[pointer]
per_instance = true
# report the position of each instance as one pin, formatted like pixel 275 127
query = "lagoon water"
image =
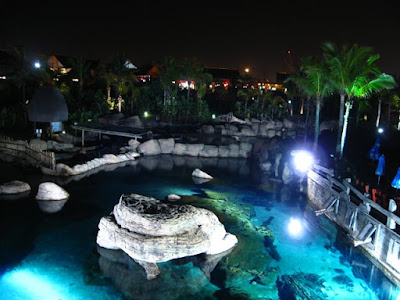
pixel 54 256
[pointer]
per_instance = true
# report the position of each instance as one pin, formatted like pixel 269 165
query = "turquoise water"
pixel 54 256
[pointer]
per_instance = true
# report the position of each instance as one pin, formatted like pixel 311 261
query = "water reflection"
pixel 186 278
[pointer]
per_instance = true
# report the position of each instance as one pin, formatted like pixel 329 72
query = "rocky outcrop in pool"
pixel 151 231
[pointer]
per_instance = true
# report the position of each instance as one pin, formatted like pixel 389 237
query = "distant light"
pixel 213 116
pixel 75 80
pixel 295 227
pixel 380 130
pixel 37 64
pixel 3 77
pixel 247 70
pixel 145 114
pixel 290 101
pixel 303 160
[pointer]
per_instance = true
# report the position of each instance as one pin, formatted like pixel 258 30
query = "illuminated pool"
pixel 282 245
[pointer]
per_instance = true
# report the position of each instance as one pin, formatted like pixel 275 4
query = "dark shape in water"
pixel 232 294
pixel 271 248
pixel 257 279
pixel 300 286
pixel 268 222
pixel 199 193
pixel 343 279
pixel 339 271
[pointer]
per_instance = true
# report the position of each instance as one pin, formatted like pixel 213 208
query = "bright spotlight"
pixel 303 160
pixel 37 64
pixel 380 130
pixel 295 227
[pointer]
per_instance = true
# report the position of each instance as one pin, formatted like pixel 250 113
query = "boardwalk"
pixel 107 129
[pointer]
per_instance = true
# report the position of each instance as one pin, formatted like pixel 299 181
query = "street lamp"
pixel 37 64
pixel 247 70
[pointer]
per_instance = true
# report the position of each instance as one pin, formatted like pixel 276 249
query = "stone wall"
pixel 169 146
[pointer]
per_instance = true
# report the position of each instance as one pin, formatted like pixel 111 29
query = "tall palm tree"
pixel 169 72
pixel 118 75
pixel 250 93
pixel 192 71
pixel 314 81
pixel 369 81
pixel 80 69
pixel 350 68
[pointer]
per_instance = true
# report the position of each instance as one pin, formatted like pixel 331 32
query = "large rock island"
pixel 151 231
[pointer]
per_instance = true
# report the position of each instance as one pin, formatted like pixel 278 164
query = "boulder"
pixel 173 197
pixel 208 129
pixel 38 144
pixel 245 131
pixel 133 122
pixel 167 145
pixel 209 151
pixel 288 124
pixel 271 133
pixel 200 174
pixel 223 151
pixel 233 150
pixel 151 231
pixel 14 187
pixel 245 149
pixel 150 147
pixel 179 149
pixel 111 118
pixel 287 173
pixel 231 128
pixel 133 144
pixel 51 191
pixel 194 149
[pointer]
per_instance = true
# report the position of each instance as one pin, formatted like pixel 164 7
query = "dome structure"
pixel 48 105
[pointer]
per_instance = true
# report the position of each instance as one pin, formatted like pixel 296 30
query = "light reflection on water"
pixel 55 255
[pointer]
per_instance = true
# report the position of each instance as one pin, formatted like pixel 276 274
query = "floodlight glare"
pixel 303 160
pixel 295 227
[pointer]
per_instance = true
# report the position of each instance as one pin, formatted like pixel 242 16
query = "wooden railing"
pixel 367 223
pixel 29 153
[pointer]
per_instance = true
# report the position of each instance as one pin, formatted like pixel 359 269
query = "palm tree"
pixel 169 72
pixel 118 74
pixel 250 94
pixel 80 69
pixel 388 97
pixel 350 68
pixel 368 82
pixel 192 71
pixel 314 81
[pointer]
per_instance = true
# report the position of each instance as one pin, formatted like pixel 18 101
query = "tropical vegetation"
pixel 178 91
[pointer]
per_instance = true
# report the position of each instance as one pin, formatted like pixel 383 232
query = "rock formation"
pixel 51 191
pixel 200 174
pixel 14 187
pixel 151 231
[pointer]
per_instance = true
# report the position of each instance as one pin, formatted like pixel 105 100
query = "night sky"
pixel 228 34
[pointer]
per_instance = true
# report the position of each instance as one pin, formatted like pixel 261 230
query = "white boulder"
pixel 51 191
pixel 200 174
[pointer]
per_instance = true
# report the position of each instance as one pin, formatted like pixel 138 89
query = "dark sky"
pixel 254 34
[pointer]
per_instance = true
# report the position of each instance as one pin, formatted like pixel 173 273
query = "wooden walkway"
pixel 109 130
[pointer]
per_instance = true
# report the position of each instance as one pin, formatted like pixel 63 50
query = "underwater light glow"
pixel 32 285
pixel 295 227
pixel 303 160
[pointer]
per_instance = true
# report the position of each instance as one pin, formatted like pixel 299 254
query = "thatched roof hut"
pixel 48 105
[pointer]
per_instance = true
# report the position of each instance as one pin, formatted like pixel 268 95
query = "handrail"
pixel 347 187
